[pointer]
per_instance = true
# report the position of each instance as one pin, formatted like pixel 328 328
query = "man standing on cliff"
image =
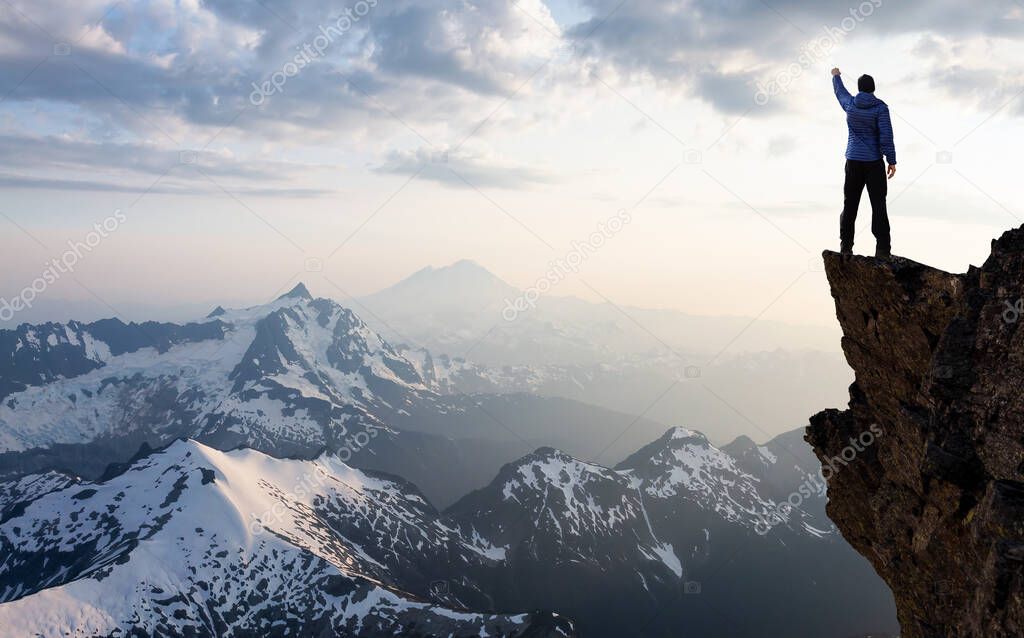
pixel 869 141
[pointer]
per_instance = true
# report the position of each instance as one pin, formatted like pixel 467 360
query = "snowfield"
pixel 191 539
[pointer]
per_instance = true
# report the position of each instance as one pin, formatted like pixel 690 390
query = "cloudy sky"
pixel 250 144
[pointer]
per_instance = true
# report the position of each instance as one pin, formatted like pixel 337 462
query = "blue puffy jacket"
pixel 870 127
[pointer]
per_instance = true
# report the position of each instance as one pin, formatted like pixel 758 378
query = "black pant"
pixel 858 175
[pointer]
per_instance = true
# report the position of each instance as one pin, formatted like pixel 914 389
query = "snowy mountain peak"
pixel 443 292
pixel 684 464
pixel 551 495
pixel 547 452
pixel 468 266
pixel 188 537
pixel 289 377
pixel 467 275
pixel 679 433
pixel 548 467
pixel 465 267
pixel 675 438
pixel 298 292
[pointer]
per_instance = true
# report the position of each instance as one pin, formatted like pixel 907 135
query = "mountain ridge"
pixel 324 538
pixel 290 377
pixel 374 537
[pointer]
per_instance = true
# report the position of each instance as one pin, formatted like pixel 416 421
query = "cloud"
pixel 989 89
pixel 731 93
pixel 461 169
pixel 676 42
pixel 195 63
pixel 482 47
pixel 172 75
pixel 178 74
pixel 781 145
pixel 178 64
pixel 43 183
pixel 31 161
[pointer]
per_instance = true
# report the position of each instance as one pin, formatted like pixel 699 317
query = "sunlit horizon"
pixel 504 145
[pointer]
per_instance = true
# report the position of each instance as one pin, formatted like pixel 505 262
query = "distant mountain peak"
pixel 467 264
pixel 675 439
pixel 680 436
pixel 547 451
pixel 462 286
pixel 744 441
pixel 740 446
pixel 463 269
pixel 679 433
pixel 298 292
pixel 216 312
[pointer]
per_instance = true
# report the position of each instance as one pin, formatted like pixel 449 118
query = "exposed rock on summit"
pixel 936 500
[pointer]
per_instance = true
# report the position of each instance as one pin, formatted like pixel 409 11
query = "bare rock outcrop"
pixel 926 466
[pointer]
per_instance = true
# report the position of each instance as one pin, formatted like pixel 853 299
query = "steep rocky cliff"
pixel 926 467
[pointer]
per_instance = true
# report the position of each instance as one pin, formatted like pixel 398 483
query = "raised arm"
pixel 885 138
pixel 844 97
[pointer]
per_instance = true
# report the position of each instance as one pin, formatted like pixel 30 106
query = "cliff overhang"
pixel 926 466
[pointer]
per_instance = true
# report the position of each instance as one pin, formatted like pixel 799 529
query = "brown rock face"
pixel 926 467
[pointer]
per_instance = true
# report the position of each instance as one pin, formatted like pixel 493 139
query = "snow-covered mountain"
pixel 666 541
pixel 486 335
pixel 37 355
pixel 193 541
pixel 287 374
pixel 190 540
pixel 459 291
pixel 278 470
pixel 290 378
pixel 783 466
pixel 463 306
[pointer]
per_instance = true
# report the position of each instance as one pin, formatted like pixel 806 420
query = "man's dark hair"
pixel 866 84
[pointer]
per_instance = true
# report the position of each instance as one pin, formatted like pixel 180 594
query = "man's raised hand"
pixel 835 71
pixel 892 171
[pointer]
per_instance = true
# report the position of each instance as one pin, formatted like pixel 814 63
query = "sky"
pixel 226 150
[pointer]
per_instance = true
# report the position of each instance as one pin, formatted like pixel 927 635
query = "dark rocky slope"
pixel 927 464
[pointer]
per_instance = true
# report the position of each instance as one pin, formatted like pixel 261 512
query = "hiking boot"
pixel 882 253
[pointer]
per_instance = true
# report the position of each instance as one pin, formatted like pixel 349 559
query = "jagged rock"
pixel 925 468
